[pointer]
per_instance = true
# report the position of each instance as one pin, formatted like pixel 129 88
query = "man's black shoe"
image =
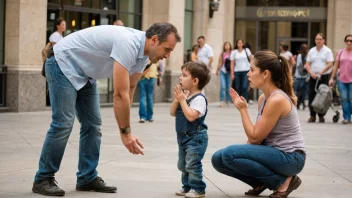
pixel 97 185
pixel 48 187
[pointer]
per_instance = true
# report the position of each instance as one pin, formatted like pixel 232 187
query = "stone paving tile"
pixel 327 173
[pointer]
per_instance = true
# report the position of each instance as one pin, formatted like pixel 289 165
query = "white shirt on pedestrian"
pixel 299 64
pixel 241 59
pixel 55 37
pixel 90 53
pixel 205 53
pixel 319 59
pixel 287 55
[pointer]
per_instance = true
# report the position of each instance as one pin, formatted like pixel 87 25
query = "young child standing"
pixel 190 111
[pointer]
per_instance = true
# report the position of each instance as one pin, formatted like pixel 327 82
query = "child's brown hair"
pixel 198 70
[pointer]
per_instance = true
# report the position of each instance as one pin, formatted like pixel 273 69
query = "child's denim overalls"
pixel 192 141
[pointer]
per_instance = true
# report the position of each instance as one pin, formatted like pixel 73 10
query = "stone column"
pixel 229 23
pixel 25 31
pixel 339 23
pixel 200 19
pixel 174 63
pixel 172 12
pixel 216 30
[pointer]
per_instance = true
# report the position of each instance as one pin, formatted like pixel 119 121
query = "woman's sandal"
pixel 294 184
pixel 254 192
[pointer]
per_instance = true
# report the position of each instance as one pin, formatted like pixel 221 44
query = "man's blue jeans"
pixel 66 103
pixel 241 83
pixel 345 90
pixel 301 89
pixel 146 100
pixel 225 83
pixel 258 165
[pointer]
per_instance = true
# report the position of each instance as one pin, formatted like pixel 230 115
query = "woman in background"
pixel 344 63
pixel 225 79
pixel 194 56
pixel 301 75
pixel 240 64
pixel 60 28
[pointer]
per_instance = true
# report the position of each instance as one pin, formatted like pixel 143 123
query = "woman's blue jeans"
pixel 66 102
pixel 225 84
pixel 241 83
pixel 345 90
pixel 258 165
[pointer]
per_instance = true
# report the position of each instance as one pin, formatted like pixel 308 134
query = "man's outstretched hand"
pixel 132 144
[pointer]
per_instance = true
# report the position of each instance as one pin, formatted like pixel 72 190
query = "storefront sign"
pixel 281 13
pixel 269 12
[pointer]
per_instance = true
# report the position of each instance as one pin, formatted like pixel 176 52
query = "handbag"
pixel 249 60
pixel 301 70
pixel 47 52
pixel 227 64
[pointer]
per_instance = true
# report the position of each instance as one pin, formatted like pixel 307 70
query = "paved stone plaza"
pixel 327 174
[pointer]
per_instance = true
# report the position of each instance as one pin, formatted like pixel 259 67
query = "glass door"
pixel 293 44
pixel 292 34
pixel 267 36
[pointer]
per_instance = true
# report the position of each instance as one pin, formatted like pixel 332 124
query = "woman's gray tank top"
pixel 286 134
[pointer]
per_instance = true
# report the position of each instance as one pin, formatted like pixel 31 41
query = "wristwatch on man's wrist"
pixel 125 130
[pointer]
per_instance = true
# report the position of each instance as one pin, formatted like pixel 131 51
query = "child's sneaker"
pixel 182 192
pixel 193 193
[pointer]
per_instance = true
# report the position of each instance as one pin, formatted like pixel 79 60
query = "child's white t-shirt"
pixel 198 103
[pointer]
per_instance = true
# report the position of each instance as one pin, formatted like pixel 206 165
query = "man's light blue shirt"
pixel 89 54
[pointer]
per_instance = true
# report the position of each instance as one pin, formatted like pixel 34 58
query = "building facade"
pixel 26 25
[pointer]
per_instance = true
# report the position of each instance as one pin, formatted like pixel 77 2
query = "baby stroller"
pixel 323 101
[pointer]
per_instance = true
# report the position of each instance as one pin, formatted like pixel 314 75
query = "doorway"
pixel 292 43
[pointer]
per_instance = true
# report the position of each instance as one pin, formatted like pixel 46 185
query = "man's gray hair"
pixel 162 30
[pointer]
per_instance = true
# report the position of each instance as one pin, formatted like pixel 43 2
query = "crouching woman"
pixel 275 151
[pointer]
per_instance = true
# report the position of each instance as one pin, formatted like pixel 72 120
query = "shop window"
pixel 130 12
pixel 246 30
pixel 81 14
pixel 131 20
pixel 130 6
pixel 267 36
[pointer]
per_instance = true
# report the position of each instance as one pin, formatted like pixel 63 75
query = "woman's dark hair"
pixel 303 49
pixel 58 23
pixel 348 35
pixel 223 47
pixel 320 34
pixel 247 45
pixel 237 43
pixel 280 72
pixel 285 47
